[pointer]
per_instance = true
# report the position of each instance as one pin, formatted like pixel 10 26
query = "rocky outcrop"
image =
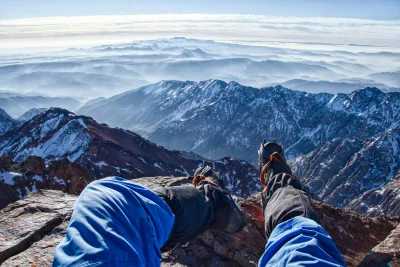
pixel 48 212
pixel 18 180
pixel 383 201
pixel 31 228
pixel 387 253
pixel 33 164
pixel 353 234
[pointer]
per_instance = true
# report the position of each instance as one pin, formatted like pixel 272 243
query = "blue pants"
pixel 119 223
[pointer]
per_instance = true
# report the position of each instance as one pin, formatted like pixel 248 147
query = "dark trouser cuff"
pixel 286 203
pixel 193 213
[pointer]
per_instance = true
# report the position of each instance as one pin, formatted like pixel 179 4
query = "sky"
pixel 365 9
pixel 28 24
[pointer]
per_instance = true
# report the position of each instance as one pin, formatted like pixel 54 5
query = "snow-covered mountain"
pixel 59 134
pixel 216 119
pixel 356 174
pixel 31 113
pixel 347 144
pixel 6 122
pixel 383 201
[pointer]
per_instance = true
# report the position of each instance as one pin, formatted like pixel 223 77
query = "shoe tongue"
pixel 266 150
pixel 271 147
pixel 207 171
pixel 278 166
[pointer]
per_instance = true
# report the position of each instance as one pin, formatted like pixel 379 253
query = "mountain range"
pixel 359 175
pixel 66 119
pixel 216 119
pixel 320 132
pixel 16 104
pixel 212 119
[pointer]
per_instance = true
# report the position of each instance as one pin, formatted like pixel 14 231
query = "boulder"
pixel 34 164
pixel 17 180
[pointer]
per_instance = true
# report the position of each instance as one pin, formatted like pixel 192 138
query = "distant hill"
pixel 16 104
pixel 343 86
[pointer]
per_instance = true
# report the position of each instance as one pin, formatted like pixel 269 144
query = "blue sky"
pixel 365 9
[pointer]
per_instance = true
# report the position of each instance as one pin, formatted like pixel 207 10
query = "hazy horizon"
pixel 88 49
pixel 321 33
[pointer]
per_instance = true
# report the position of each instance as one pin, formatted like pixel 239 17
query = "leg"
pixel 208 206
pixel 292 227
pixel 116 223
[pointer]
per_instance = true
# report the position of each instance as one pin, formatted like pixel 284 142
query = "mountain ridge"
pixel 131 110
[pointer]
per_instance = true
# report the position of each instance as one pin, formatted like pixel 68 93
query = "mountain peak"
pixel 369 92
pixel 4 114
pixel 31 113
pixel 6 122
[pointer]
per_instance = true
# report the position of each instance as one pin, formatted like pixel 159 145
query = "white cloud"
pixel 94 30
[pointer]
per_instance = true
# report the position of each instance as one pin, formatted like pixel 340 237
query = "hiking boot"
pixel 207 173
pixel 206 206
pixel 276 165
pixel 231 219
pixel 266 150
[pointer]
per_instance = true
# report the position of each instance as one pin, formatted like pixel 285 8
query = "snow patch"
pixel 8 177
pixel 50 125
pixel 158 166
pixel 59 181
pixel 37 178
pixel 142 160
pixel 100 164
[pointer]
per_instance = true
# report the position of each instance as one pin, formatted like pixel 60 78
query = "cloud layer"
pixel 94 30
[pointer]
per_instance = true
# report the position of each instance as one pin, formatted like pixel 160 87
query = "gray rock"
pixel 31 228
pixel 387 253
